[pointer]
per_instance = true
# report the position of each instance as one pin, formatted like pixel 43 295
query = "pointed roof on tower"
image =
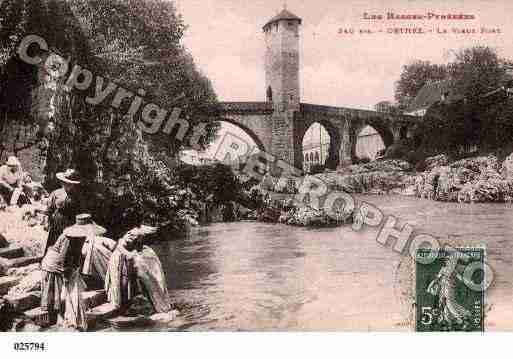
pixel 283 15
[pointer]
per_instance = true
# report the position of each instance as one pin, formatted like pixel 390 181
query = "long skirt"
pixel 63 296
pixel 74 315
pixel 120 280
pixel 52 285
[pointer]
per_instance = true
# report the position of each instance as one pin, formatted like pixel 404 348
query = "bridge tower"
pixel 282 80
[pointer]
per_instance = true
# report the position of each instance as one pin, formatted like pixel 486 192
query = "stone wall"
pixel 282 145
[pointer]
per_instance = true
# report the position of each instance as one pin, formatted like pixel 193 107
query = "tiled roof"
pixel 283 15
pixel 431 93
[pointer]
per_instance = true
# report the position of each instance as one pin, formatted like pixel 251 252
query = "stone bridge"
pixel 280 131
pixel 279 124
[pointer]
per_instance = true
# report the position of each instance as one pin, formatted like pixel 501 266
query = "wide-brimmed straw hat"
pixel 70 176
pixel 12 161
pixel 84 227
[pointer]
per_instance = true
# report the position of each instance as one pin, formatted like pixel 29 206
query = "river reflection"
pixel 257 276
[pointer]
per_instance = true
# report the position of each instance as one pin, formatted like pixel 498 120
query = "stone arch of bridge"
pixel 382 127
pixel 335 134
pixel 246 130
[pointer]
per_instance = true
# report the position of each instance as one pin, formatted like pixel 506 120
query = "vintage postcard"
pixel 220 166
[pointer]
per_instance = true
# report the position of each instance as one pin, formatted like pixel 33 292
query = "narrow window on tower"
pixel 269 94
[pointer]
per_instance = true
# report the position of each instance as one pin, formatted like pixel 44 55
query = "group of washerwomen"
pixel 77 254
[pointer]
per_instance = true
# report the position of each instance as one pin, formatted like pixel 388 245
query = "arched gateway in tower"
pixel 279 123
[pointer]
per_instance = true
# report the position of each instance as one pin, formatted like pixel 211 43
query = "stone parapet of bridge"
pixel 281 132
pixel 253 107
pixel 353 112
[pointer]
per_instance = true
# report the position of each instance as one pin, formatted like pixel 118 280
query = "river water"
pixel 258 276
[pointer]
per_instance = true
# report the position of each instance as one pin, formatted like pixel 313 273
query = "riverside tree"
pixel 137 44
pixel 477 118
pixel 413 77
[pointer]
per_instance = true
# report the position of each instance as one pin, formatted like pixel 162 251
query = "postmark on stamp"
pixel 444 299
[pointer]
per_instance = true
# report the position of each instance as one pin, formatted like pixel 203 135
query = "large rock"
pixel 122 322
pixel 478 164
pixel 24 325
pixel 436 161
pixel 24 261
pixel 7 282
pixel 309 217
pixel 23 271
pixel 11 252
pixel 24 301
pixel 28 283
pixel 8 265
pixel 94 298
pixel 378 177
pixel 101 312
pixel 378 166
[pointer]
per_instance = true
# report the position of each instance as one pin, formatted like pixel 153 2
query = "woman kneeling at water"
pixel 133 269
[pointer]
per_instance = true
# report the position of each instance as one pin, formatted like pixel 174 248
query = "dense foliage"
pixel 413 77
pixel 215 183
pixel 477 116
pixel 478 120
pixel 137 45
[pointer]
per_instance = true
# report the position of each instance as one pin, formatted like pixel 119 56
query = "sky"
pixel 226 40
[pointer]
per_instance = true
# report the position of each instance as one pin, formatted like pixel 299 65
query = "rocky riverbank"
pixel 20 275
pixel 377 177
pixel 474 179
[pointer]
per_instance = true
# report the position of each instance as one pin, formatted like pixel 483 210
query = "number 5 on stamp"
pixel 445 300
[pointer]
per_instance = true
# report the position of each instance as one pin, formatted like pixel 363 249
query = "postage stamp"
pixel 445 301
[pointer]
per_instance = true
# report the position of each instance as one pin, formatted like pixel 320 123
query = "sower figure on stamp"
pixel 134 269
pixel 444 286
pixel 62 282
pixel 64 204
